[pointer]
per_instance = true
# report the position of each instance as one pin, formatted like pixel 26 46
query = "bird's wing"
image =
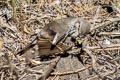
pixel 57 39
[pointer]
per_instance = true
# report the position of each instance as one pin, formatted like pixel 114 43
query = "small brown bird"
pixel 58 31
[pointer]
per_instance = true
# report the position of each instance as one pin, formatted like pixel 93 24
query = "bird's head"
pixel 80 28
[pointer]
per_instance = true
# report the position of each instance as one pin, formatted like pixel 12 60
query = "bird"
pixel 59 30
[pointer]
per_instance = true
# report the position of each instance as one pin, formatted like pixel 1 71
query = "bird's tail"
pixel 31 45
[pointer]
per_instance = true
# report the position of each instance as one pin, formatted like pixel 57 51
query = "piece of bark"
pixel 48 71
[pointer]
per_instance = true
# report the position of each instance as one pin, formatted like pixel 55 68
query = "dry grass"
pixel 20 19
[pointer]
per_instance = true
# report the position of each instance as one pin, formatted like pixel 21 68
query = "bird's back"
pixel 61 25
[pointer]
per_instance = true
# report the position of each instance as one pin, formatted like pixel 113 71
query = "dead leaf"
pixel 1 44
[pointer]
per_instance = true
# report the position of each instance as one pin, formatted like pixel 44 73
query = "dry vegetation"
pixel 20 20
